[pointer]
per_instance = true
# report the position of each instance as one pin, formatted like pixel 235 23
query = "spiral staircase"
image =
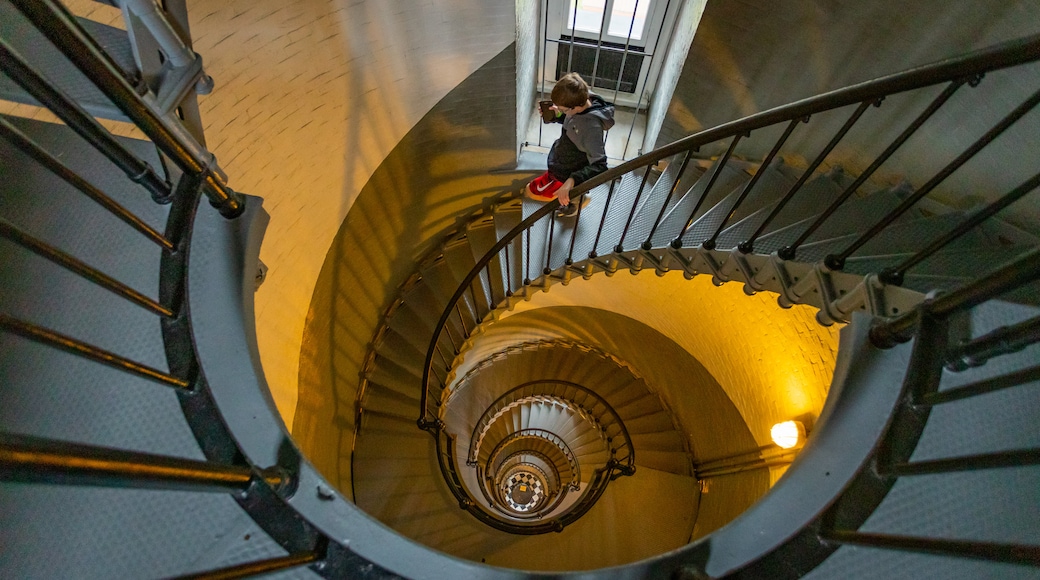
pixel 138 438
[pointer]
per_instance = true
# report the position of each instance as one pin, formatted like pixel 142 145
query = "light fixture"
pixel 788 434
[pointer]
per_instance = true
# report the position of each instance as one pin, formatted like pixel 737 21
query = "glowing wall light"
pixel 788 434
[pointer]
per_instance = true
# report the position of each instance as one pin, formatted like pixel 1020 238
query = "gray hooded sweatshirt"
pixel 579 152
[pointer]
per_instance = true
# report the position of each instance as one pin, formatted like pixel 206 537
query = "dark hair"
pixel 570 91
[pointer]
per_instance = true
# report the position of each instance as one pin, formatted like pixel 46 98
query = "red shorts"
pixel 544 186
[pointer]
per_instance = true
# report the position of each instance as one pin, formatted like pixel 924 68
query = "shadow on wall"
pixel 436 175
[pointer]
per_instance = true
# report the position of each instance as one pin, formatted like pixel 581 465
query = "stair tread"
pixel 848 218
pixel 730 178
pixel 819 193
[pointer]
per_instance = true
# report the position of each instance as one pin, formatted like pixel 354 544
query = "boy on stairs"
pixel 579 154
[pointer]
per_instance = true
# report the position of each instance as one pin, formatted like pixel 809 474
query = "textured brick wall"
pixel 750 57
pixel 310 98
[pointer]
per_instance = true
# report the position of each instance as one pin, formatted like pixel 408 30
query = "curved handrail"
pixel 1011 53
pixel 602 420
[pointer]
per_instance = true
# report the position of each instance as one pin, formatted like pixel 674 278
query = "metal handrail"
pixel 60 27
pixel 971 66
pixel 892 458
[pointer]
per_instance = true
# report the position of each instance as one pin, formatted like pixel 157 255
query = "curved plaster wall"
pixel 773 364
pixel 311 96
pixel 438 173
pixel 711 423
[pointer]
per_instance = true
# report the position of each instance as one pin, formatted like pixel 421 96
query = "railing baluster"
pixel 1022 271
pixel 451 339
pixel 527 264
pixel 462 321
pixel 603 219
pixel 668 198
pixel 79 268
pixel 547 269
pixel 79 121
pixel 26 145
pixel 30 459
pixel 509 273
pixel 1004 340
pixel 895 275
pixel 635 206
pixel 574 231
pixel 1015 458
pixel 709 244
pixel 837 261
pixel 444 359
pixel 1011 553
pixel 788 252
pixel 748 245
pixel 677 242
pixel 52 19
pixel 1029 375
pixel 82 349
pixel 250 569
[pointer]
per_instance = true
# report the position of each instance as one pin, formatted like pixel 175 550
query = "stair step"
pixel 591 217
pixel 48 61
pixel 442 283
pixel 646 404
pixel 667 461
pixel 906 236
pixel 422 309
pixel 849 218
pixel 650 423
pixel 459 257
pixel 659 441
pixel 506 217
pixel 482 236
pixel 390 374
pixel 398 348
pixel 819 193
pixel 385 400
pixel 730 177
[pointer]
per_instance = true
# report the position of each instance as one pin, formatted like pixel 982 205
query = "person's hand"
pixel 564 193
